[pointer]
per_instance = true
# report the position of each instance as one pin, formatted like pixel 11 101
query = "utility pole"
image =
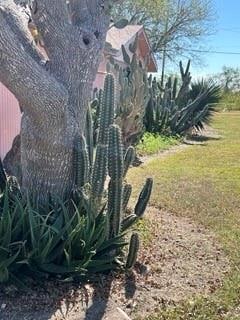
pixel 165 47
pixel 164 57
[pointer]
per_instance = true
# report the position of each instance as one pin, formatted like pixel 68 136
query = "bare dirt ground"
pixel 181 260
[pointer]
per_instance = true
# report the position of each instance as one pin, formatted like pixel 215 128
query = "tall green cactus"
pixel 133 250
pixel 93 221
pixel 127 191
pixel 80 161
pixel 107 107
pixel 89 133
pixel 128 159
pixel 144 198
pixel 115 171
pixel 99 173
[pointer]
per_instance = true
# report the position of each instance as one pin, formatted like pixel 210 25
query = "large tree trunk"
pixel 54 99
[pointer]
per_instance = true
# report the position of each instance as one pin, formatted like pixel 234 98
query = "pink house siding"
pixel 10 118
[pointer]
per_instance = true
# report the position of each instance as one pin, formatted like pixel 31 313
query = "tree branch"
pixel 22 74
pixel 91 16
pixel 51 18
pixel 18 21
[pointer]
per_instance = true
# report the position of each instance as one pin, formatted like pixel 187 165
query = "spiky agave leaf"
pixel 3 178
pixel 208 102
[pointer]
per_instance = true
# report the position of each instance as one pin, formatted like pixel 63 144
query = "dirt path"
pixel 182 260
pixel 164 154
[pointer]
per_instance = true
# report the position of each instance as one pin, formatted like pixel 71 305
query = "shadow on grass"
pixel 200 140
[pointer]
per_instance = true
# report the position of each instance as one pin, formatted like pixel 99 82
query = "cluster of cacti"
pixel 83 234
pixel 173 109
pixel 110 160
pixel 132 95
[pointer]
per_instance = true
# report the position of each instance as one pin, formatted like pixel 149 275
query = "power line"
pixel 215 52
pixel 207 51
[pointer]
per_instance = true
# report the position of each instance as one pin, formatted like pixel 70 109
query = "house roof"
pixel 118 37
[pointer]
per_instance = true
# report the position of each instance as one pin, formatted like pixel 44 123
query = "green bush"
pixel 153 143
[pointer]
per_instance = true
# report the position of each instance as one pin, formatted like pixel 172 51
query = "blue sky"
pixel 227 38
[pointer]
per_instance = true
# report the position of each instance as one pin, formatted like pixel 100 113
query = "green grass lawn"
pixel 203 182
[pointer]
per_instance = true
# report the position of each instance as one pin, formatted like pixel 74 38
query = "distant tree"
pixel 230 79
pixel 175 27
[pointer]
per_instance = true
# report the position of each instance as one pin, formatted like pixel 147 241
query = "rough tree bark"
pixel 54 99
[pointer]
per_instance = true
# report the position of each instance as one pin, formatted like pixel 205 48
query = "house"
pixel 118 37
pixel 10 115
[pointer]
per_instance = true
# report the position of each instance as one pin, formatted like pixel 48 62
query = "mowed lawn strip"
pixel 203 183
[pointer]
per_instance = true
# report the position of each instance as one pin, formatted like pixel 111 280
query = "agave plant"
pixel 207 105
pixel 11 227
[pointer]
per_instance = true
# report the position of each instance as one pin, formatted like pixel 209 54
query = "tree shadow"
pixel 40 300
pixel 130 285
pixel 43 300
pixel 102 294
pixel 100 298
